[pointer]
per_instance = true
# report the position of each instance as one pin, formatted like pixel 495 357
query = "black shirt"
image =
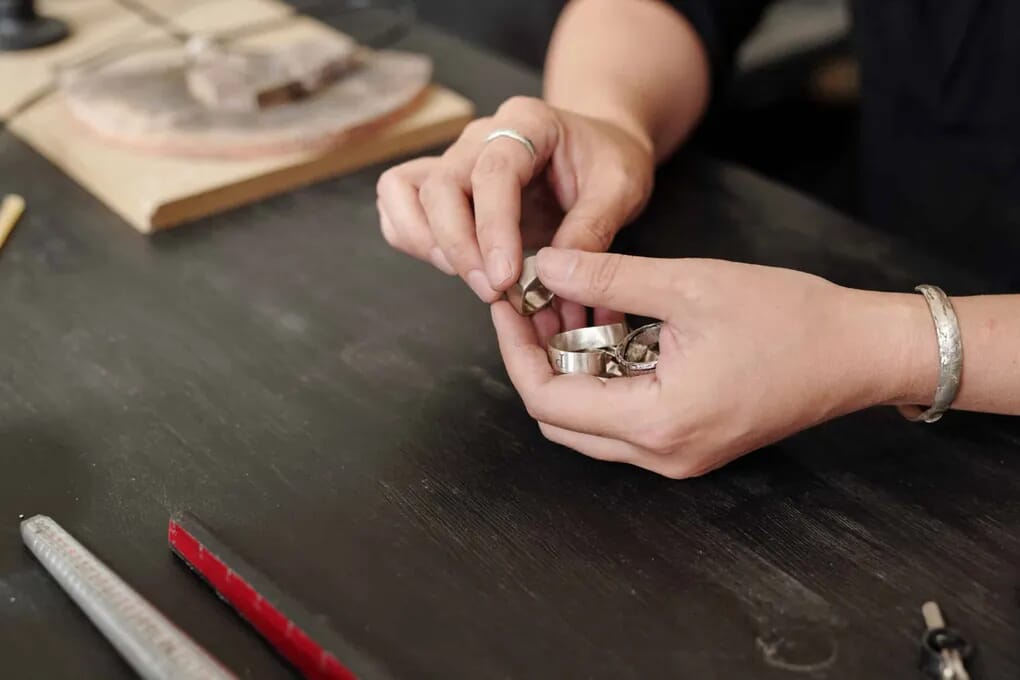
pixel 940 116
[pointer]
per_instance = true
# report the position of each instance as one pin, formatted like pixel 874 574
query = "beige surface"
pixel 96 24
pixel 153 192
pixel 217 16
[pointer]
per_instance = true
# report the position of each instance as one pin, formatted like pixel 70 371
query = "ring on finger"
pixel 513 134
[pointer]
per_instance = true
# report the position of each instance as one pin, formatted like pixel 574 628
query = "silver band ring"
pixel 638 353
pixel 606 351
pixel 510 133
pixel 586 350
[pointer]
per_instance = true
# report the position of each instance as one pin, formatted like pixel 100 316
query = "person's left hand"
pixel 748 355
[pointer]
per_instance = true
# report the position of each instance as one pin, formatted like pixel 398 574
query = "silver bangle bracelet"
pixel 947 330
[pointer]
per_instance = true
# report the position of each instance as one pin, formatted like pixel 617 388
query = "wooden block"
pixel 11 209
pixel 153 192
pixel 210 17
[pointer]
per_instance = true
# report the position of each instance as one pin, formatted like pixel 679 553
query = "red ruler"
pixel 302 638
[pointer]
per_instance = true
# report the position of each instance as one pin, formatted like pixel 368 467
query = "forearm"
pixel 990 330
pixel 636 63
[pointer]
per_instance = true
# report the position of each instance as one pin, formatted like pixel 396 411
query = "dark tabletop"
pixel 339 414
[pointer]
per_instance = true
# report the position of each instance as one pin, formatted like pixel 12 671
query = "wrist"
pixel 893 347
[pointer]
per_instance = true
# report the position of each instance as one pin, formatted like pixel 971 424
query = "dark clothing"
pixel 940 116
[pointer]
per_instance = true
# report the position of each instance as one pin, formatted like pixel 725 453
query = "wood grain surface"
pixel 340 416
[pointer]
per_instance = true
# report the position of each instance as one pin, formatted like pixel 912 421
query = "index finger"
pixel 582 403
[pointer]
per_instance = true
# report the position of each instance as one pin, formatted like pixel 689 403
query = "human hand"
pixel 748 355
pixel 464 212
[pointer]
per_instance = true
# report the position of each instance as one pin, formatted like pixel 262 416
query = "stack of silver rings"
pixel 608 351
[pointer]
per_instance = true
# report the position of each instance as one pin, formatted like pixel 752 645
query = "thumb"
pixel 638 285
pixel 592 222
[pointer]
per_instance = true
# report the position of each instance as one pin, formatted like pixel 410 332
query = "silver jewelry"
pixel 528 295
pixel 585 350
pixel 638 354
pixel 516 136
pixel 947 330
pixel 608 351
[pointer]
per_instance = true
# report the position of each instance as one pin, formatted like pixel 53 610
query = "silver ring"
pixel 510 133
pixel 638 353
pixel 587 350
pixel 608 351
pixel 529 295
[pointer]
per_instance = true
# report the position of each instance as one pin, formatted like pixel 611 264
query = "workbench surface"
pixel 339 414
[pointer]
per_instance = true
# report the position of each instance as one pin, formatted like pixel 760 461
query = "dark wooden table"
pixel 340 415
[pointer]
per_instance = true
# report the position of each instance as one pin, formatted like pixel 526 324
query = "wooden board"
pixel 153 192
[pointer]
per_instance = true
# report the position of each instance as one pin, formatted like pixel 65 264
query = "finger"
pixel 419 244
pixel 505 165
pixel 547 324
pixel 397 192
pixel 604 316
pixel 603 206
pixel 444 197
pixel 601 448
pixel 386 226
pixel 637 285
pixel 582 403
pixel 573 314
pixel 496 184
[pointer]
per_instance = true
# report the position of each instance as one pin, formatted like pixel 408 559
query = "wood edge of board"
pixel 343 159
pixel 166 212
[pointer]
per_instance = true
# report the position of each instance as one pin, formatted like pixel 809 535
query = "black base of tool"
pixel 21 28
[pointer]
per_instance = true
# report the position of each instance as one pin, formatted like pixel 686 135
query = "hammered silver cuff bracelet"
pixel 947 330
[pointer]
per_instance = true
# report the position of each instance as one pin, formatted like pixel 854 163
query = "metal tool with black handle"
pixel 22 28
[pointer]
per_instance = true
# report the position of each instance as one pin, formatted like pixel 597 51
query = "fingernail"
pixel 555 264
pixel 440 262
pixel 479 283
pixel 500 270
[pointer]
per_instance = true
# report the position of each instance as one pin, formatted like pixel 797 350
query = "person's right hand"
pixel 464 213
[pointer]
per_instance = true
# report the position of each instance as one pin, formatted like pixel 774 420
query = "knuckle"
pixel 600 231
pixel 655 441
pixel 476 127
pixel 520 104
pixel 663 436
pixel 535 406
pixel 536 413
pixel 490 164
pixel 547 431
pixel 633 187
pixel 604 272
pixel 385 181
pixel 432 188
pixel 679 468
pixel 457 252
pixel 597 230
pixel 487 224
